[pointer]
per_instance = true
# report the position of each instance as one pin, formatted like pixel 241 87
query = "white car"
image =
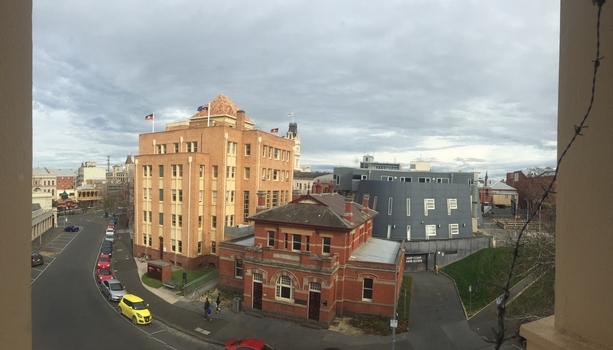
pixel 113 289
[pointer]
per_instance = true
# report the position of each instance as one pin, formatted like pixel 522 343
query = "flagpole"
pixel 153 124
pixel 208 117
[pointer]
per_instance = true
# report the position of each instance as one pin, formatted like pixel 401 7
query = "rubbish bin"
pixel 236 304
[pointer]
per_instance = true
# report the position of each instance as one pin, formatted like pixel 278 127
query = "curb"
pixel 191 333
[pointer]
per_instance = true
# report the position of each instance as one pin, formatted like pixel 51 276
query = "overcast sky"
pixel 466 85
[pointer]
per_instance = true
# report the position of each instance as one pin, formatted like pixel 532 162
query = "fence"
pixel 190 287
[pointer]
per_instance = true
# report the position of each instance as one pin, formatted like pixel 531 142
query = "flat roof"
pixel 247 241
pixel 377 250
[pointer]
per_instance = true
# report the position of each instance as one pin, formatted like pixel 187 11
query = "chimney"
pixel 317 187
pixel 365 200
pixel 296 194
pixel 348 215
pixel 331 187
pixel 261 202
pixel 240 120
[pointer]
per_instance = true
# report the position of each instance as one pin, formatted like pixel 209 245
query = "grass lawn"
pixel 177 276
pixel 490 264
pixel 379 324
pixel 536 301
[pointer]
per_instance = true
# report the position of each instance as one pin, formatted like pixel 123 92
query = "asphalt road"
pixel 68 310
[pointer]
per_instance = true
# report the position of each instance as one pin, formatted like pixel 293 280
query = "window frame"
pixel 284 286
pixel 368 289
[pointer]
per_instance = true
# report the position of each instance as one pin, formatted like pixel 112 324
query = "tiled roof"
pixel 325 209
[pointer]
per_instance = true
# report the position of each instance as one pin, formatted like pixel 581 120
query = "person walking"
pixel 218 302
pixel 207 309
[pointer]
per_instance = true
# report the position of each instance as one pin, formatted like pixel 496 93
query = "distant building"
pixel 304 181
pixel 89 173
pixel 496 194
pixel 44 217
pixel 415 204
pixel 530 184
pixel 313 259
pixel 44 181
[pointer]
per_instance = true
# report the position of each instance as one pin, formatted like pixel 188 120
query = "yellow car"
pixel 135 309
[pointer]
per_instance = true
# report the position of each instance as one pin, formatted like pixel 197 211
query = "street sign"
pixel 394 323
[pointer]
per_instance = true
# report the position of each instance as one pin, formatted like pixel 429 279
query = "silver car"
pixel 113 289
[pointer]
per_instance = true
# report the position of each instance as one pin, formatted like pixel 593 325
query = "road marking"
pixel 203 331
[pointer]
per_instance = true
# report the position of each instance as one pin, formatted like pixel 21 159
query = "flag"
pixel 203 108
pixel 149 116
pixel 291 114
pixel 275 130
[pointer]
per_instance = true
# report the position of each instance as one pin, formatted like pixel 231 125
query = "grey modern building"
pixel 415 205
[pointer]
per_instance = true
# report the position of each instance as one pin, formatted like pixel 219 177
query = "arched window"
pixel 285 290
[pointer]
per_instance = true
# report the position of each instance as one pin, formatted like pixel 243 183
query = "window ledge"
pixel 544 335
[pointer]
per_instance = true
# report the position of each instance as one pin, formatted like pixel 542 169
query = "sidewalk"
pixel 180 313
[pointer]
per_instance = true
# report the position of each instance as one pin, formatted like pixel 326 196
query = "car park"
pixel 134 308
pixel 71 228
pixel 37 259
pixel 247 344
pixel 103 263
pixel 103 275
pixel 113 289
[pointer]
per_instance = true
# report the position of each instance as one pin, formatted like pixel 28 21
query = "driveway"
pixel 437 319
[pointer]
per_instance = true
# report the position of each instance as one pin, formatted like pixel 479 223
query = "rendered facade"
pixel 313 259
pixel 199 176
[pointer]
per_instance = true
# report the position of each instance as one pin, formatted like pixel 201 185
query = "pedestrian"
pixel 207 309
pixel 218 301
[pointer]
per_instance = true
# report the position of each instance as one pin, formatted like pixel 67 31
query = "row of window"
pixel 430 230
pixel 190 146
pixel 177 220
pixel 284 288
pixel 44 183
pixel 439 180
pixel 175 245
pixel 297 242
pixel 272 153
pixel 429 204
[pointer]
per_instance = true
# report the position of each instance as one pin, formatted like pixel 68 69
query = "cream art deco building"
pixel 197 181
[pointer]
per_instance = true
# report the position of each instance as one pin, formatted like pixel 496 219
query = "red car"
pixel 246 344
pixel 111 225
pixel 103 263
pixel 104 255
pixel 103 275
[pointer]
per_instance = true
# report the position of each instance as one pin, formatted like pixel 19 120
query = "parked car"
pixel 135 309
pixel 113 289
pixel 103 263
pixel 107 250
pixel 37 259
pixel 103 275
pixel 104 255
pixel 111 224
pixel 248 343
pixel 71 228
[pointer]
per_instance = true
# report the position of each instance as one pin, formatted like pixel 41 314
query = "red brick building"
pixel 313 259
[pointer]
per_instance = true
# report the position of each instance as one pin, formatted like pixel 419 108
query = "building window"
pixel 424 180
pixel 428 205
pixel 173 218
pixel 173 244
pixel 213 247
pixel 176 147
pixel 200 221
pixel 161 171
pixel 199 247
pixel 150 240
pixel 406 179
pixel 408 232
pixel 192 147
pixel 367 289
pixel 150 216
pixel 161 149
pixel 306 243
pixel 238 268
pixel 270 152
pixel 430 231
pixel 229 220
pixel 180 246
pixel 245 205
pixel 174 170
pixel 145 239
pixel 275 175
pixel 285 240
pixel 408 206
pixel 296 242
pixel 387 178
pixel 214 197
pixel 213 221
pixel 201 171
pixel 247 149
pixel 454 229
pixel 326 245
pixel 389 205
pixel 452 203
pixel 161 193
pixel 275 198
pixel 264 148
pixel 277 153
pixel 257 277
pixel 180 195
pixel 180 220
pixel 442 180
pixel 247 173
pixel 145 193
pixel 271 238
pixel 161 218
pixel 200 195
pixel 215 171
pixel 284 288
pixel 174 195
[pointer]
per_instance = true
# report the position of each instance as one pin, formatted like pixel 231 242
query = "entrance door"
pixel 314 300
pixel 257 295
pixel 161 248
